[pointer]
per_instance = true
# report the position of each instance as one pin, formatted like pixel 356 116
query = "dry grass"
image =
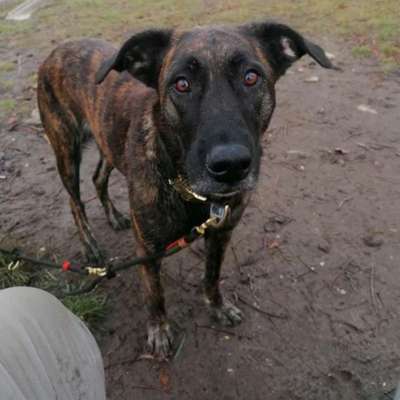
pixel 374 25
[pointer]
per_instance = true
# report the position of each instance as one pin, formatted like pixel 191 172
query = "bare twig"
pixel 340 205
pixel 212 328
pixel 364 146
pixel 372 288
pixel 261 311
pixel 309 267
pixel 126 361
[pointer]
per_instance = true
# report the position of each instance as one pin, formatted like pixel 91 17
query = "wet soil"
pixel 314 264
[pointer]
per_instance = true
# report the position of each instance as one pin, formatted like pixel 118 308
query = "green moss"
pixel 7 105
pixel 6 85
pixel 7 66
pixel 361 51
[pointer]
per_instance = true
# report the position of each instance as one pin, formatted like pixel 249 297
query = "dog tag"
pixel 218 214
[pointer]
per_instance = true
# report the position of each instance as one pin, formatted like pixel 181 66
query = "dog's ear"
pixel 141 56
pixel 283 45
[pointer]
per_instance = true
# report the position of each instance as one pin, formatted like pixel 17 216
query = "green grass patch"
pixel 6 85
pixel 7 106
pixel 90 307
pixel 361 51
pixel 7 66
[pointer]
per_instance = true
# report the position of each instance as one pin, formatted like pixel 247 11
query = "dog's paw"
pixel 160 340
pixel 118 221
pixel 226 314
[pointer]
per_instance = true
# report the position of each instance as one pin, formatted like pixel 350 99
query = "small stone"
pixel 324 247
pixel 312 79
pixel 373 240
pixel 340 151
pixel 230 370
pixel 367 109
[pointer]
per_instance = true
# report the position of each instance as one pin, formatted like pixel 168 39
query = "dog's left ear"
pixel 141 56
pixel 283 45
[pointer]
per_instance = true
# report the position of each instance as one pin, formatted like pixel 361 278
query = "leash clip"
pixel 218 215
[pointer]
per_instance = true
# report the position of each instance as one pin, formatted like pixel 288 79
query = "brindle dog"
pixel 169 103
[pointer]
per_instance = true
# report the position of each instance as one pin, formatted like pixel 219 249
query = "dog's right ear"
pixel 141 56
pixel 283 45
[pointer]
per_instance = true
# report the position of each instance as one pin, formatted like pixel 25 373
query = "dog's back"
pixel 72 105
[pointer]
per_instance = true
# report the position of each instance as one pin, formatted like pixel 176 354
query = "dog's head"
pixel 216 94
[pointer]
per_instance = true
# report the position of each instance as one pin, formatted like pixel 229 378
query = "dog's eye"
pixel 251 78
pixel 182 85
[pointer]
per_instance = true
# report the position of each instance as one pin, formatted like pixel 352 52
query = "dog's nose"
pixel 229 163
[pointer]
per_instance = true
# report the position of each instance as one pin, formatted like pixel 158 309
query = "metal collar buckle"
pixel 183 188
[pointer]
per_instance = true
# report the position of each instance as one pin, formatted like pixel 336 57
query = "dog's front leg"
pixel 160 335
pixel 222 310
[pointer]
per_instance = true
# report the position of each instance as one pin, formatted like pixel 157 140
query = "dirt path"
pixel 314 264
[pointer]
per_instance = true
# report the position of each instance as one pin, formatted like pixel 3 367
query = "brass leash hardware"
pixel 218 216
pixel 183 188
pixel 97 271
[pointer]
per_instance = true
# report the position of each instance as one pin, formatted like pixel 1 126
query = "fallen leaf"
pixel 165 380
pixel 367 109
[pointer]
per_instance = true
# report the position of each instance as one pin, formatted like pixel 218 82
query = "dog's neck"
pixel 167 142
pixel 160 143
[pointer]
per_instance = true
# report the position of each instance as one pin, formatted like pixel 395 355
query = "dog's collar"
pixel 182 187
pixel 218 213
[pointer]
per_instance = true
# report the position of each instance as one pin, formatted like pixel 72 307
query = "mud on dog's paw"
pixel 226 314
pixel 161 337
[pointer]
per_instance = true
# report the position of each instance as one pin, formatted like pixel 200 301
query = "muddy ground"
pixel 314 265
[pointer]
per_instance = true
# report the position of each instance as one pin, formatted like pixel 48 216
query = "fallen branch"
pixel 261 311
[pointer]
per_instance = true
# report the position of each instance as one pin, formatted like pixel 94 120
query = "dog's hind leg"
pixel 100 180
pixel 66 143
pixel 68 164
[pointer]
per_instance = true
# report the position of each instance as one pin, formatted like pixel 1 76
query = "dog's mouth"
pixel 213 189
pixel 196 192
pixel 224 195
pixel 219 193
